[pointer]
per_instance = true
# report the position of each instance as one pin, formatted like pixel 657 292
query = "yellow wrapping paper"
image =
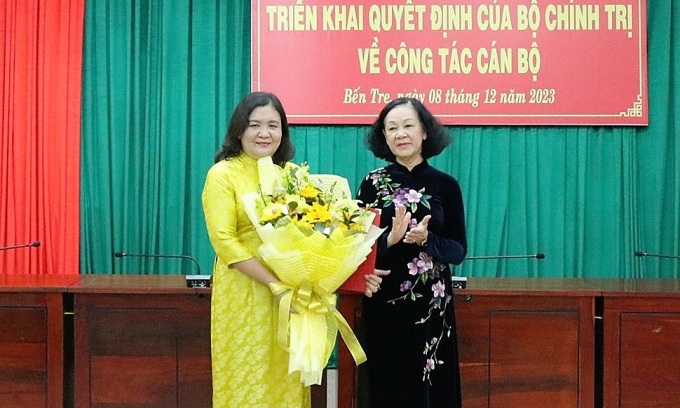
pixel 311 267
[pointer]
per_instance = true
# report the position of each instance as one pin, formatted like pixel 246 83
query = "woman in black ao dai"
pixel 410 324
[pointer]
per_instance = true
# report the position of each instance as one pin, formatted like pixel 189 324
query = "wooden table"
pixel 641 343
pixel 141 340
pixel 527 343
pixel 32 340
pixel 106 341
pixel 555 343
pixel 133 340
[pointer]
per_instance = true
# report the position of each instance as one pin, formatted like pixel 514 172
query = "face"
pixel 404 134
pixel 262 137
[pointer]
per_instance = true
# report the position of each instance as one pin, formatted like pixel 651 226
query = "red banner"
pixel 495 62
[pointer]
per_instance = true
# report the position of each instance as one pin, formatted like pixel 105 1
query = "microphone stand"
pixel 643 254
pixel 193 281
pixel 460 282
pixel 539 255
pixel 32 244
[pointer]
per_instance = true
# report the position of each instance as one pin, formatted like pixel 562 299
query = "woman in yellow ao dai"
pixel 249 367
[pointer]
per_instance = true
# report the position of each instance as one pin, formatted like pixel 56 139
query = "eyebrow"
pixel 394 122
pixel 258 121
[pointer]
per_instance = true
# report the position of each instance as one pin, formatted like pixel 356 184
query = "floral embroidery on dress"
pixel 428 272
pixel 425 271
pixel 389 192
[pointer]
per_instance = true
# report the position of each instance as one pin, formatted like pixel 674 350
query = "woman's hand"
pixel 418 234
pixel 400 223
pixel 373 281
pixel 279 291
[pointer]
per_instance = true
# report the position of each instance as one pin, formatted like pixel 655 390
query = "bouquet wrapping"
pixel 314 237
pixel 356 282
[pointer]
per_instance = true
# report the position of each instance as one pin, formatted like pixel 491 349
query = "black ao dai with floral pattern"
pixel 410 324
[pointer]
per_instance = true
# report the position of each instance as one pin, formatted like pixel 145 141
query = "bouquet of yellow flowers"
pixel 314 237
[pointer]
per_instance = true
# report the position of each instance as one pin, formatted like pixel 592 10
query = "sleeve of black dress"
pixel 367 192
pixel 450 245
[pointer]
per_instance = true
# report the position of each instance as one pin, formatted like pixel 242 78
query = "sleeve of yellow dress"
pixel 219 208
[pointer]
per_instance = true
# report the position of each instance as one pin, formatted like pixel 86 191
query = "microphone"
pixel 460 282
pixel 32 244
pixel 643 254
pixel 538 255
pixel 193 281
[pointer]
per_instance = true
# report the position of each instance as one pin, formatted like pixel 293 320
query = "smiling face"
pixel 262 137
pixel 404 135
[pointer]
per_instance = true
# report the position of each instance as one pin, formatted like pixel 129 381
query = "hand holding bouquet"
pixel 314 237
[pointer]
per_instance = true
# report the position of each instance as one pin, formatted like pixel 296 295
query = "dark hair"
pixel 231 147
pixel 437 136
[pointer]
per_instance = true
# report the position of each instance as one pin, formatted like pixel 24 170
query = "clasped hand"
pixel 400 228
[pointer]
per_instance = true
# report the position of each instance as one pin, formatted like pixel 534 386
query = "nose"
pixel 263 132
pixel 400 132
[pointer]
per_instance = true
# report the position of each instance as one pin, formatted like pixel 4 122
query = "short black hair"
pixel 437 139
pixel 231 147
